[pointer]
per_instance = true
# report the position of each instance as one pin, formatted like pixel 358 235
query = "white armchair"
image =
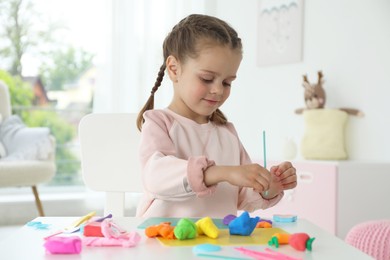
pixel 27 154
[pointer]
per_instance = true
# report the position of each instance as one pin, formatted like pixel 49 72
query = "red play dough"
pixel 93 229
pixel 298 241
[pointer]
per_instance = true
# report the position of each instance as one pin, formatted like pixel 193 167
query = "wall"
pixel 349 41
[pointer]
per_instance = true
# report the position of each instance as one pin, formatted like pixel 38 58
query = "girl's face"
pixel 202 84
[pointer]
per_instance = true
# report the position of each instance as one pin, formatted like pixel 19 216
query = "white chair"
pixel 109 157
pixel 30 151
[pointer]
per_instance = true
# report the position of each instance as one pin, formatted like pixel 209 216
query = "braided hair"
pixel 182 42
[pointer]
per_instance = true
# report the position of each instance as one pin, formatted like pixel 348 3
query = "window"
pixel 54 49
pixel 86 56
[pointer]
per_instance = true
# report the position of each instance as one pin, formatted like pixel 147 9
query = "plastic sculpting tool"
pixel 267 255
pixel 220 256
pixel 75 226
pixel 102 218
pixel 81 220
pixel 264 157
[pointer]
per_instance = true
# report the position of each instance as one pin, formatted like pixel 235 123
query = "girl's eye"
pixel 227 84
pixel 207 80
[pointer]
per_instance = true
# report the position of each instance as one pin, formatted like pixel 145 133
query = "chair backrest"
pixel 109 157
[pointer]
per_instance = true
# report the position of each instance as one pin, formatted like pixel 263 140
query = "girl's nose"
pixel 217 88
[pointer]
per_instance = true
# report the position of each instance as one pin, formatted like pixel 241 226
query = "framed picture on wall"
pixel 279 32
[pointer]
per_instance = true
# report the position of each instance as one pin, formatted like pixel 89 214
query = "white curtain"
pixel 134 34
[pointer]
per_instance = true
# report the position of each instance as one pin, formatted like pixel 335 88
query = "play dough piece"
pixel 301 241
pixel 93 229
pixel 205 248
pixel 279 239
pixel 63 245
pixel 164 230
pixel 228 218
pixel 207 227
pixel 266 220
pixel 243 225
pixel 185 229
pixel 263 224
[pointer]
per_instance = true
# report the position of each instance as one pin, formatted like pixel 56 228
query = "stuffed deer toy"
pixel 315 96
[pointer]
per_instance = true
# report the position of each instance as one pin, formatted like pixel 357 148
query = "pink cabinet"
pixel 337 195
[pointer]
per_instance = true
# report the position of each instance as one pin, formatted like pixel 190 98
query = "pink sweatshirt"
pixel 174 152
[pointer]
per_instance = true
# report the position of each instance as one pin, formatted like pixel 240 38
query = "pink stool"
pixel 372 237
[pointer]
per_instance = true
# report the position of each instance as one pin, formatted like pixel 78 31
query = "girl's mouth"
pixel 211 102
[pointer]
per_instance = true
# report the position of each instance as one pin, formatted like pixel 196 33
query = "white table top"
pixel 27 243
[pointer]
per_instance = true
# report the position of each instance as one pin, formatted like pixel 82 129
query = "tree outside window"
pixel 52 97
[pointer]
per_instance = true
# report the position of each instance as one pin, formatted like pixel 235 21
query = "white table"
pixel 27 243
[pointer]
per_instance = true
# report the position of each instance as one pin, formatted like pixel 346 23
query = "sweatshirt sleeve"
pixel 166 176
pixel 248 199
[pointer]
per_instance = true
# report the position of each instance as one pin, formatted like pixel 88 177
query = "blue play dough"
pixel 38 225
pixel 243 225
pixel 202 248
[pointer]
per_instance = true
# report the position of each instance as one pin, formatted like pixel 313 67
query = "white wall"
pixel 350 42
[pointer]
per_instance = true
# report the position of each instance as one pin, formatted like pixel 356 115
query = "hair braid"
pixel 150 103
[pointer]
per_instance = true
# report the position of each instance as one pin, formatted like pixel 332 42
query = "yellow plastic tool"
pixel 75 226
pixel 81 220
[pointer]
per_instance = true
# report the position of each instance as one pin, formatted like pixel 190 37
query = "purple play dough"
pixel 226 220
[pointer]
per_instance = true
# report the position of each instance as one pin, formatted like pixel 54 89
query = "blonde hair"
pixel 182 42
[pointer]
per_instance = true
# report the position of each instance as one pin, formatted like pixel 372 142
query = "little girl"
pixel 193 163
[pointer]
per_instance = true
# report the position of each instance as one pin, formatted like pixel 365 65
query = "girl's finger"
pixel 273 169
pixel 287 173
pixel 289 179
pixel 262 183
pixel 291 185
pixel 283 167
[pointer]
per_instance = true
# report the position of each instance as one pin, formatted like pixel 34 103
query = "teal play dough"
pixel 202 248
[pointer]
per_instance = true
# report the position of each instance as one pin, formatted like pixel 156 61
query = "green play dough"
pixel 185 229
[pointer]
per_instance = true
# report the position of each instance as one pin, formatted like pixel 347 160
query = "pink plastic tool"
pixel 268 255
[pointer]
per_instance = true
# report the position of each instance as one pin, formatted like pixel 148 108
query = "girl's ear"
pixel 173 68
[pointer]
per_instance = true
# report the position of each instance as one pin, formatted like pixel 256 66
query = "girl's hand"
pixel 250 175
pixel 283 177
pixel 286 174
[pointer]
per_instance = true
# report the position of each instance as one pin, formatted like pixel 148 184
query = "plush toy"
pixel 315 97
